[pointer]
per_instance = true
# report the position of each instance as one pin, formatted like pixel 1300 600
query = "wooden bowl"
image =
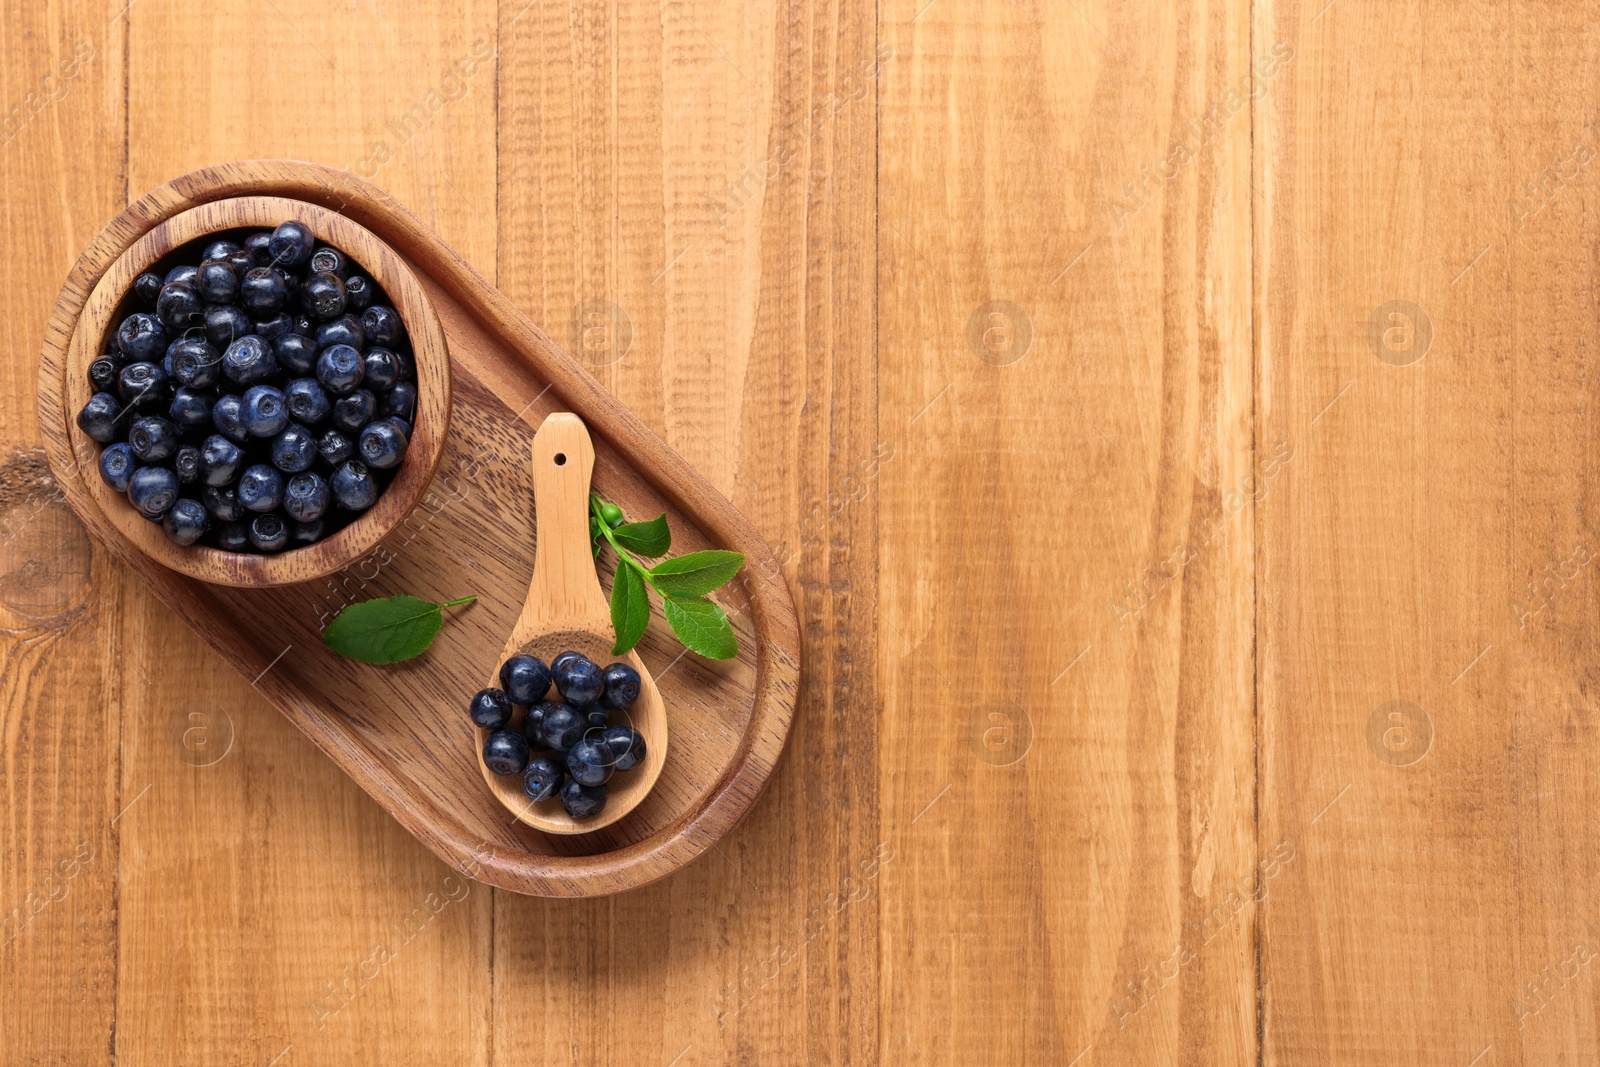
pixel 112 299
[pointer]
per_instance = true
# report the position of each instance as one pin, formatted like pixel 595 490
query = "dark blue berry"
pixel 382 326
pixel 307 403
pixel 143 385
pixel 117 466
pixel 626 746
pixel 407 373
pixel 220 461
pixel 194 361
pixel 344 330
pixel 225 324
pixel 351 413
pixel 334 448
pixel 185 523
pixel 103 374
pixel 357 293
pixel 100 416
pixel 152 439
pixel 222 503
pixel 216 281
pixel 294 449
pixel 578 680
pixel 322 296
pixel 621 686
pixel 249 360
pixel 186 464
pixel 329 259
pixel 276 326
pixel 263 292
pixel 227 415
pixel 490 709
pixel 382 369
pixel 221 248
pixel 264 412
pixel 304 326
pixel 233 537
pixel 382 443
pixel 525 679
pixel 141 337
pixel 353 487
pixel 260 488
pixel 589 761
pixel 296 352
pixel 185 273
pixel 533 721
pixel 258 245
pixel 190 409
pixel 339 369
pixel 561 728
pixel 401 401
pixel 505 752
pixel 153 490
pixel 291 244
pixel 582 801
pixel 147 287
pixel 179 306
pixel 269 532
pixel 543 778
pixel 306 497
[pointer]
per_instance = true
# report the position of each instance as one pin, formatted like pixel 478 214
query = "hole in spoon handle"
pixel 564 583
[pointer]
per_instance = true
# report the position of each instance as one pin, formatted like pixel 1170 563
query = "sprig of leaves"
pixel 387 629
pixel 682 582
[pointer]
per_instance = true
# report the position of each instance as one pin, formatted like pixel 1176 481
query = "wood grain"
pixel 1426 265
pixel 61 598
pixel 1066 391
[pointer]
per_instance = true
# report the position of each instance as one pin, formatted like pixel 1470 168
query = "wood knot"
pixel 45 553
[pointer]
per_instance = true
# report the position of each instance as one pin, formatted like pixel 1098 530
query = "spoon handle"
pixel 565 589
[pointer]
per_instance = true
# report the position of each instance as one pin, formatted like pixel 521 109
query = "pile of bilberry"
pixel 580 744
pixel 261 400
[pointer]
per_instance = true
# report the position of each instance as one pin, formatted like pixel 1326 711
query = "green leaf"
pixel 388 629
pixel 695 574
pixel 702 626
pixel 630 608
pixel 646 538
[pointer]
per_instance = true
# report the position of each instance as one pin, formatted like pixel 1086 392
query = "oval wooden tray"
pixel 402 731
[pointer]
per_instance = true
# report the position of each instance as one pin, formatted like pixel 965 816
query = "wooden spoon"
pixel 565 610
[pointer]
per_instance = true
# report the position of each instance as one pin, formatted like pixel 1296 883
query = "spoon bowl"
pixel 566 609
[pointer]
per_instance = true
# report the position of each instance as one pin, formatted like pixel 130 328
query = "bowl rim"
pixel 430 356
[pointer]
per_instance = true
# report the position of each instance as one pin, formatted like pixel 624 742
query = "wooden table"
pixel 1176 428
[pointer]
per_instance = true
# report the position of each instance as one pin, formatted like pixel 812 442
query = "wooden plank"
pixel 1426 256
pixel 268 908
pixel 60 597
pixel 682 218
pixel 1066 534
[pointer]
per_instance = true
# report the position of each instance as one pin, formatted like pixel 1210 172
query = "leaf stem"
pixel 623 555
pixel 457 602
